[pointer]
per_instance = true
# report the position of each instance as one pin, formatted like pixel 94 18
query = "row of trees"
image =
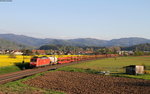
pixel 142 49
pixel 81 50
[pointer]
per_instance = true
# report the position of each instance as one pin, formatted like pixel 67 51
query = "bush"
pixel 12 56
pixel 138 53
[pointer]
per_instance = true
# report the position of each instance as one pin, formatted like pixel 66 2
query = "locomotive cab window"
pixel 33 60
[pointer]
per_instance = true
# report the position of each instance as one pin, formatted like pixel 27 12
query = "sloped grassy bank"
pixel 17 87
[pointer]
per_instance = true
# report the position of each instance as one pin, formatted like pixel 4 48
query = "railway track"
pixel 28 72
pixel 25 73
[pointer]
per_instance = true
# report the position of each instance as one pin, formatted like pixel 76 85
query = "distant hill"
pixel 127 41
pixel 37 42
pixel 5 44
pixel 141 47
pixel 88 42
pixel 21 39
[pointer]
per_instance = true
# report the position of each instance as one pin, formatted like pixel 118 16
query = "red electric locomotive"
pixel 39 61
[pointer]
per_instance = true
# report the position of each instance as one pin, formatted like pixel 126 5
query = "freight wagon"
pixel 43 61
pixel 53 60
pixel 64 60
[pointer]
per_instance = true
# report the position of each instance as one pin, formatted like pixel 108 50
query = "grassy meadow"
pixel 115 66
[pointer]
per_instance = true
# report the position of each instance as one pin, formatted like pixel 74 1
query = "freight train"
pixel 44 61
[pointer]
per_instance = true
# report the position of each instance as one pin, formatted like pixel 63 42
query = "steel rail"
pixel 25 73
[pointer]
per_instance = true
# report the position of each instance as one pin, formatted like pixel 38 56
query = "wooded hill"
pixel 140 47
pixel 12 41
pixel 37 42
pixel 5 44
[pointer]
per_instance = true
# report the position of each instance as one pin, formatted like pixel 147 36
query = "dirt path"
pixel 82 83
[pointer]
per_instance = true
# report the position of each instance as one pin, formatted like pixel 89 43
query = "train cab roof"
pixel 43 57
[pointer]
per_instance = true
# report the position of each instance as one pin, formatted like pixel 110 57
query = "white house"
pixel 18 53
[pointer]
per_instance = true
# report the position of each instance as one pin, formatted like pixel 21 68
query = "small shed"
pixel 135 69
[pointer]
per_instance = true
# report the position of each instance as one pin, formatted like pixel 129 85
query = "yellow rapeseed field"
pixel 5 60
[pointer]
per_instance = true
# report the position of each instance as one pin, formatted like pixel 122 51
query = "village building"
pixel 40 52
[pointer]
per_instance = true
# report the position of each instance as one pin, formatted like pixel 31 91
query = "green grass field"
pixel 115 66
pixel 14 68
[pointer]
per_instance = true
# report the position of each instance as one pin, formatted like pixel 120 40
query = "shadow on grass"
pixel 118 73
pixel 147 67
pixel 22 66
pixel 14 68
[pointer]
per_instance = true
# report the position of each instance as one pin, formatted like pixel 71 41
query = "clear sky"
pixel 65 19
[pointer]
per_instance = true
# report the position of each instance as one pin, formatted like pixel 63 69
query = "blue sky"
pixel 67 19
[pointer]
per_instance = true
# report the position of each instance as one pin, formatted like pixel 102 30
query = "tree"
pixel 12 56
pixel 138 53
pixel 27 52
pixel 49 47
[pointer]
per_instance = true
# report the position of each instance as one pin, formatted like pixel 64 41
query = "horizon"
pixel 65 19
